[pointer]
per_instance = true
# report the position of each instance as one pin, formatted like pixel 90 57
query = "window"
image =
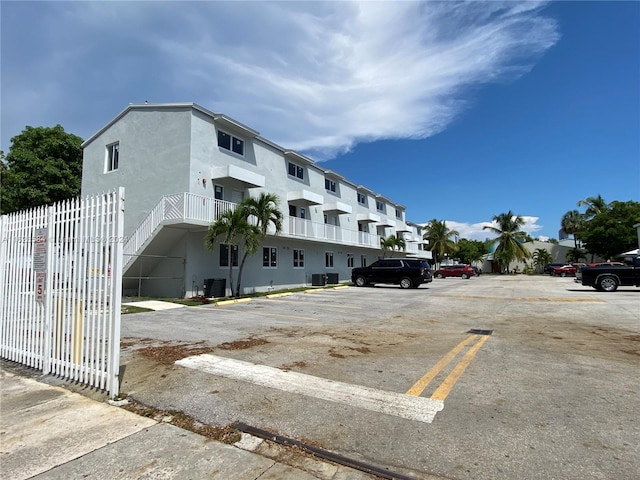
pixel 296 171
pixel 218 192
pixel 362 199
pixel 269 257
pixel 379 206
pixel 229 142
pixel 363 260
pixel 398 213
pixel 113 156
pixel 328 259
pixel 330 185
pixel 298 258
pixel 350 261
pixel 228 254
pixel 237 146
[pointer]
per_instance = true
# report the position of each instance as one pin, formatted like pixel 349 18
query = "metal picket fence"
pixel 61 285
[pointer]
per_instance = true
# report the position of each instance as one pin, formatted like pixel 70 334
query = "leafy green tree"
pixel 471 251
pixel 245 226
pixel 510 239
pixel 541 258
pixel 595 206
pixel 439 237
pixel 392 243
pixel 572 223
pixel 575 255
pixel 611 232
pixel 43 166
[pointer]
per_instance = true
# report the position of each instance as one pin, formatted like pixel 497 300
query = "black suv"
pixel 406 272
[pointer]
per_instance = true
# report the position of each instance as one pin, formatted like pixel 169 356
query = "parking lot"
pixel 487 378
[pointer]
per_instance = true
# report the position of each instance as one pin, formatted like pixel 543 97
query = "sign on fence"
pixel 56 313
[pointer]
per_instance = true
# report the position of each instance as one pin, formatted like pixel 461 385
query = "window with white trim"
pixel 330 185
pixel 229 142
pixel 296 171
pixel 228 255
pixel 379 206
pixel 398 213
pixel 113 157
pixel 363 260
pixel 328 259
pixel 269 257
pixel 298 258
pixel 362 198
pixel 350 260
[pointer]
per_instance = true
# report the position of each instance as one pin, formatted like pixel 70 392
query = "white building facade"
pixel 182 165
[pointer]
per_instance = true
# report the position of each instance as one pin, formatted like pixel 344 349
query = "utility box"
pixel 332 278
pixel 219 288
pixel 318 279
pixel 215 287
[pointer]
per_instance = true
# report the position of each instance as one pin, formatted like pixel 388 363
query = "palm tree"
pixel 266 211
pixel 510 238
pixel 439 237
pixel 246 225
pixel 541 258
pixel 391 243
pixel 572 223
pixel 595 205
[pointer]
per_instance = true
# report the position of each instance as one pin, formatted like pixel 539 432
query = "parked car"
pixel 548 269
pixel 464 271
pixel 597 264
pixel 406 272
pixel 565 271
pixel 608 277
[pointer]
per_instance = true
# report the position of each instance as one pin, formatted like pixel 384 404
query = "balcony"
pixel 187 209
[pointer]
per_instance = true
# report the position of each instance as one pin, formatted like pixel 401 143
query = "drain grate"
pixel 480 332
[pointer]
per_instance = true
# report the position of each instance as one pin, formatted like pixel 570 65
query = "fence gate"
pixel 61 286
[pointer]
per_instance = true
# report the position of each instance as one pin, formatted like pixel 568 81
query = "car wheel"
pixel 439 275
pixel 406 282
pixel 464 276
pixel 360 281
pixel 608 283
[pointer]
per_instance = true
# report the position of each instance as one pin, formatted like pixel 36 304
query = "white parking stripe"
pixel 397 404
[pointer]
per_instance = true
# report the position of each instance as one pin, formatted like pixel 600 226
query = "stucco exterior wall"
pixel 154 159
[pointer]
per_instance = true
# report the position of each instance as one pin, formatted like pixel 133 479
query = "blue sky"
pixel 458 110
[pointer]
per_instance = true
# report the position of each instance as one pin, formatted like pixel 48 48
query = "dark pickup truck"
pixel 608 277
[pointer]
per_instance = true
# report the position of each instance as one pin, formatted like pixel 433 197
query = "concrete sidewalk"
pixel 48 432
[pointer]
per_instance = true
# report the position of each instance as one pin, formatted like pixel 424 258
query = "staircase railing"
pixel 176 207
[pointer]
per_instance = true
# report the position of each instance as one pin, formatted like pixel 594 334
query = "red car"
pixel 567 270
pixel 463 271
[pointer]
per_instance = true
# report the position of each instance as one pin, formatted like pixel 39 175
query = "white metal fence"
pixel 61 283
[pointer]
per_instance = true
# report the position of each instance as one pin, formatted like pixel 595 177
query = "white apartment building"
pixel 182 165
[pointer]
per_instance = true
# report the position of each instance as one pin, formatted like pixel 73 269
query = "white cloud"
pixel 333 73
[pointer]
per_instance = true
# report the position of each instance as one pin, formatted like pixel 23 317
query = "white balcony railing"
pixel 191 208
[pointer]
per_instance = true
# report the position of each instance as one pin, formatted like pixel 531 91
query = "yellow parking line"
pixel 445 387
pixel 421 384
